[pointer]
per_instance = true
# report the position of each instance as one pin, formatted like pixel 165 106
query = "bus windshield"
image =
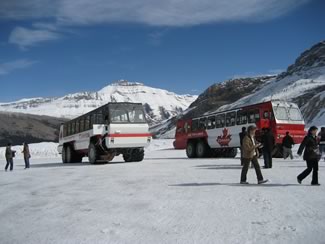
pixel 284 113
pixel 124 113
pixel 295 114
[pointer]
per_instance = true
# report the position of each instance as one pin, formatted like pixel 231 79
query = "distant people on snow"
pixel 287 144
pixel 250 154
pixel 321 138
pixel 311 156
pixel 10 154
pixel 26 154
pixel 268 145
pixel 242 134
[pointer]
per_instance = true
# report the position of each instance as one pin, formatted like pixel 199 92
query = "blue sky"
pixel 184 46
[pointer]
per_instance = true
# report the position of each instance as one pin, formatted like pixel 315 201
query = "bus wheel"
pixel 93 154
pixel 68 154
pixel 232 153
pixel 201 149
pixel 191 150
pixel 138 155
pixel 64 155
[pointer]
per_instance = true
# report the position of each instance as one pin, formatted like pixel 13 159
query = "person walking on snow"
pixel 321 136
pixel 9 157
pixel 242 134
pixel 287 144
pixel 311 156
pixel 26 155
pixel 250 154
pixel 268 145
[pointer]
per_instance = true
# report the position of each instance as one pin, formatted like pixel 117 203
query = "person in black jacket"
pixel 287 144
pixel 321 137
pixel 268 145
pixel 242 134
pixel 311 156
pixel 10 154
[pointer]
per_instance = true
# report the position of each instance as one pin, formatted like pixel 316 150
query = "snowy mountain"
pixel 303 83
pixel 159 104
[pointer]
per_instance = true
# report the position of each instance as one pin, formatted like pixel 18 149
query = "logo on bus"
pixel 225 138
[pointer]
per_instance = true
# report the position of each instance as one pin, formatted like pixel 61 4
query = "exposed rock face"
pixel 18 128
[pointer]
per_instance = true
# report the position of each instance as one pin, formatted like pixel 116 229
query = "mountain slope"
pixel 302 82
pixel 159 104
pixel 18 128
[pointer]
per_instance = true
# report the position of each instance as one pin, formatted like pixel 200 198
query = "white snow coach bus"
pixel 106 132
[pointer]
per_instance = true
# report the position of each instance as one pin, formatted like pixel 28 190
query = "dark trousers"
pixel 26 162
pixel 267 155
pixel 246 162
pixel 312 165
pixel 10 162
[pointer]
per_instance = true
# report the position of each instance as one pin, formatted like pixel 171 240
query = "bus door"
pixel 182 130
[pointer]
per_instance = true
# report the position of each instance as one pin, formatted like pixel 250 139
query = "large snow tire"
pixel 191 150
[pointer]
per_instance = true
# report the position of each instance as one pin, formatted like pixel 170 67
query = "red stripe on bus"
pixel 129 135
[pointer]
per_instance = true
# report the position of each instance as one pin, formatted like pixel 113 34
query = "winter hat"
pixel 312 129
pixel 251 127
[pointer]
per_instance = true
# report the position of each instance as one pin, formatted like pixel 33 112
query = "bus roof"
pixel 271 102
pixel 101 107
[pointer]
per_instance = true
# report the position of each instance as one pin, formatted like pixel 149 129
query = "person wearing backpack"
pixel 311 155
pixel 10 154
pixel 287 144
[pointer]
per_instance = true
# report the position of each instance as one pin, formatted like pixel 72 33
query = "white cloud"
pixel 62 14
pixel 8 67
pixel 150 12
pixel 24 37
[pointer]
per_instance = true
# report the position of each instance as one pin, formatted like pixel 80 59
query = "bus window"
pixel 187 128
pixel 254 116
pixel 295 114
pixel 119 115
pixel 241 117
pixel 220 121
pixel 77 130
pixel 202 124
pixel 69 129
pixel 211 122
pixel 87 122
pixel 281 113
pixel 82 124
pixel 73 127
pixel 195 125
pixel 231 119
pixel 266 115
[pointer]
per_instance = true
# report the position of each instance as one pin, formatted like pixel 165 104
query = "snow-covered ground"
pixel 167 198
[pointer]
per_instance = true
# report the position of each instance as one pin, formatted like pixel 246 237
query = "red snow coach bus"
pixel 217 134
pixel 106 132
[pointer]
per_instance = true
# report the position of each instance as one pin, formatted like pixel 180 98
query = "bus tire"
pixel 191 150
pixel 138 155
pixel 202 149
pixel 69 154
pixel 134 155
pixel 93 153
pixel 232 153
pixel 64 155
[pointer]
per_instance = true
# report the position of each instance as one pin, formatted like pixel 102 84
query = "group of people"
pixel 312 148
pixel 10 155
